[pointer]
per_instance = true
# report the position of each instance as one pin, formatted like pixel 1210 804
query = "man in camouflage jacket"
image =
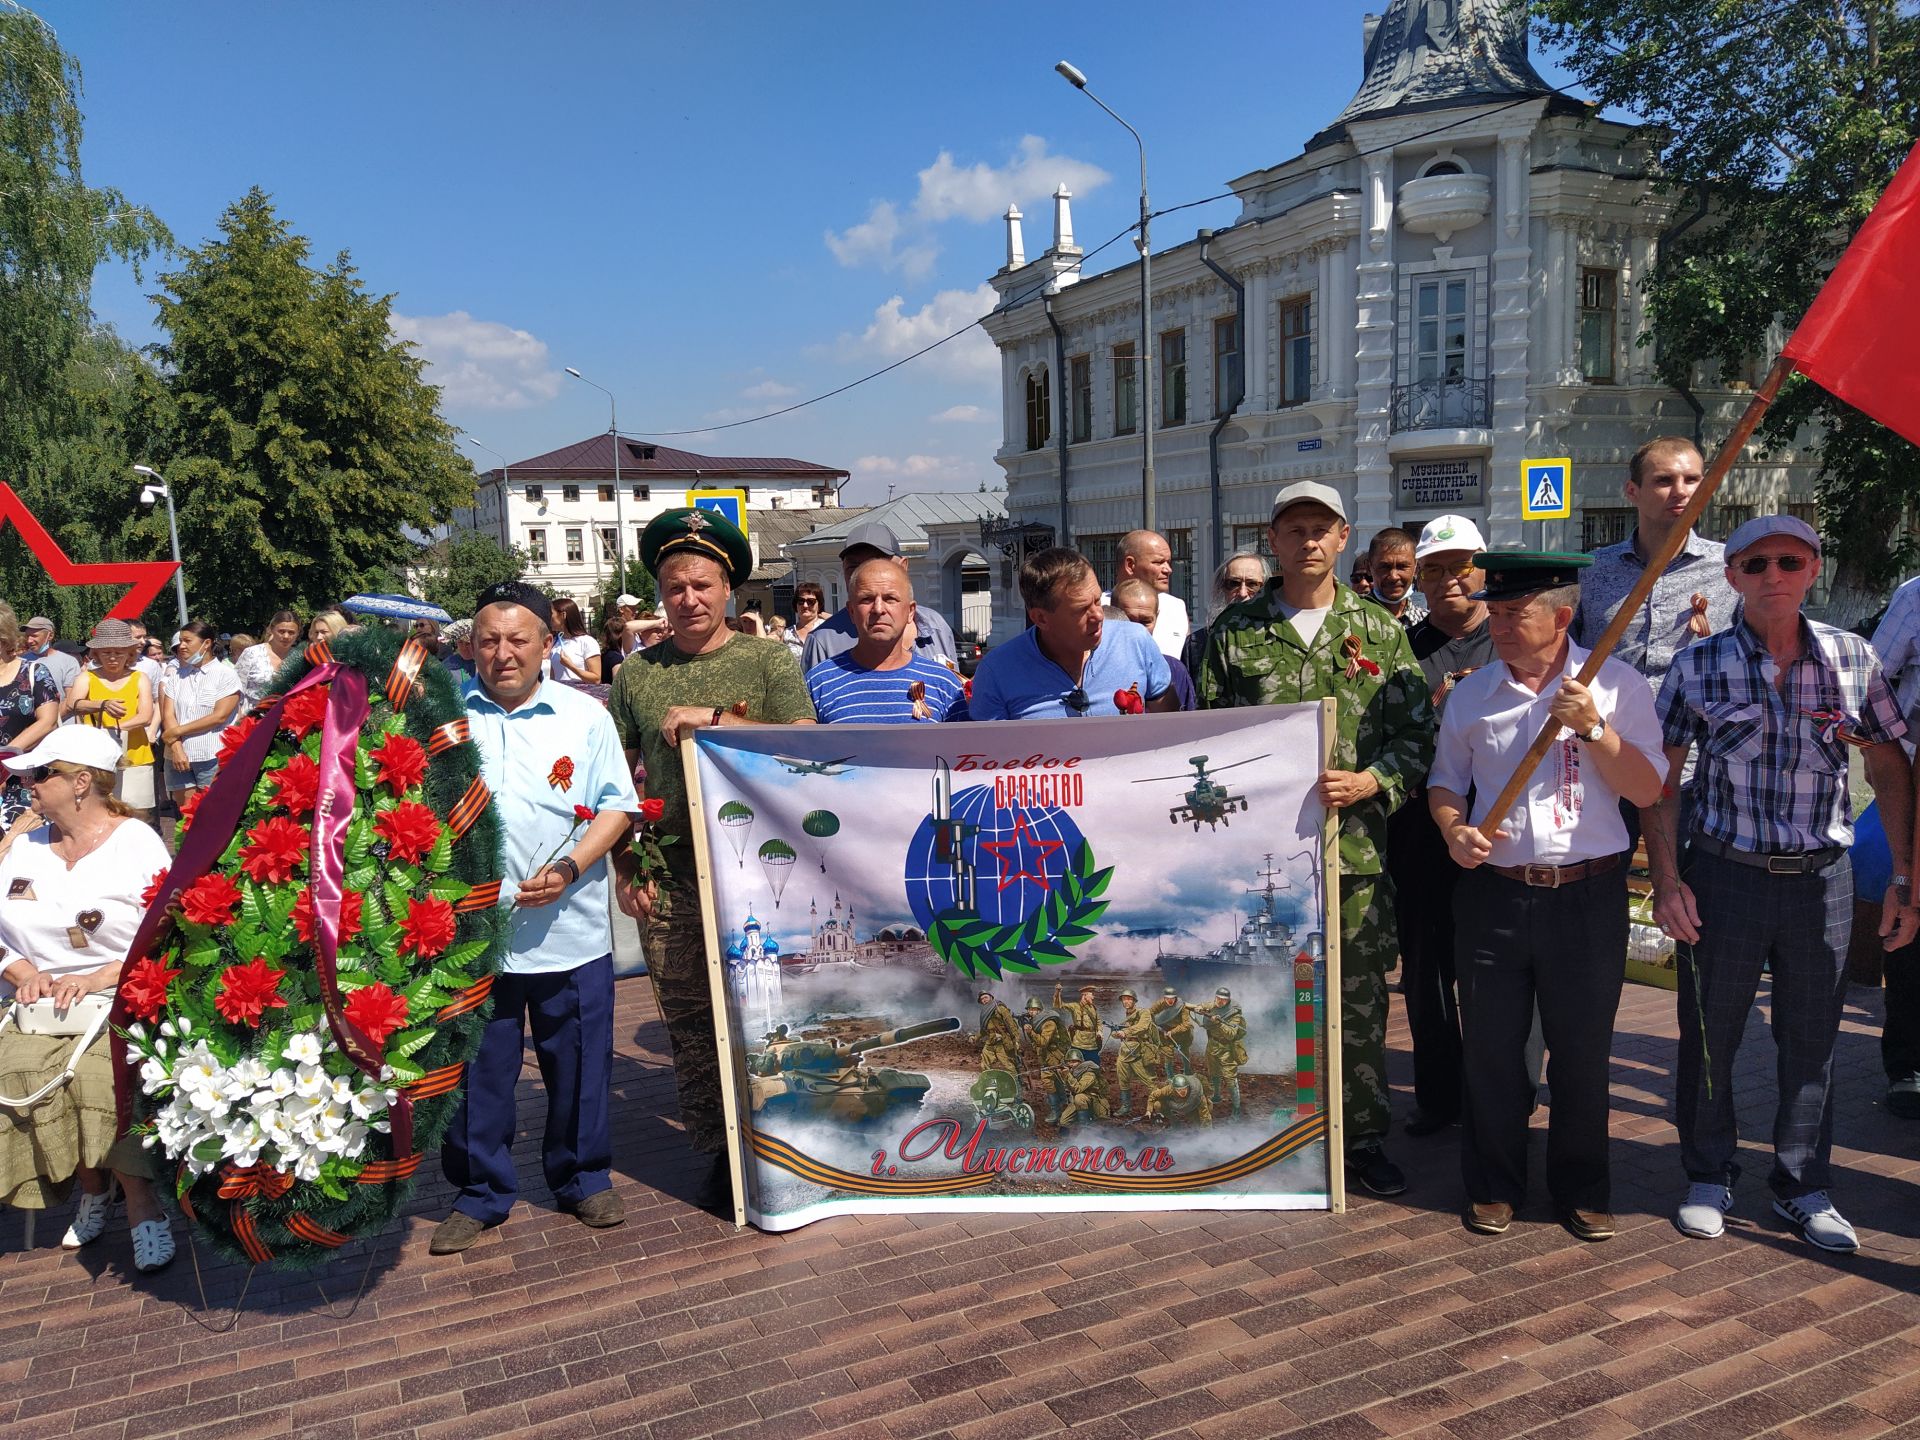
pixel 1308 637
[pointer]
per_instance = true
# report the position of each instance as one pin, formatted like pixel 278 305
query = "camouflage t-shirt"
pixel 1255 656
pixel 650 682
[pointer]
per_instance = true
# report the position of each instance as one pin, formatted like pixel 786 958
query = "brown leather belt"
pixel 1552 877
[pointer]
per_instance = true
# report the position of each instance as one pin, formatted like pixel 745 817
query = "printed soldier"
pixel 1083 1032
pixel 1176 1033
pixel 1226 1031
pixel 1086 1092
pixel 1180 1101
pixel 999 1036
pixel 1139 1041
pixel 1050 1052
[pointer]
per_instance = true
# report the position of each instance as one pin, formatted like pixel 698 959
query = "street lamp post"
pixel 1144 361
pixel 504 490
pixel 619 498
pixel 155 489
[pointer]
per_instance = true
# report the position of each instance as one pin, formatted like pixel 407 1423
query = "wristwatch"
pixel 1593 735
pixel 1902 888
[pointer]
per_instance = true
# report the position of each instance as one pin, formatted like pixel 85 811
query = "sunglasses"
pixel 40 774
pixel 1077 701
pixel 1248 585
pixel 1757 564
pixel 1434 570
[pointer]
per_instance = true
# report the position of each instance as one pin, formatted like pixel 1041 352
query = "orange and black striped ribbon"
pixel 185 1192
pixel 249 1238
pixel 381 1171
pixel 445 737
pixel 438 1082
pixel 319 653
pixel 481 897
pixel 406 669
pixel 308 1229
pixel 471 998
pixel 460 819
pixel 239 1182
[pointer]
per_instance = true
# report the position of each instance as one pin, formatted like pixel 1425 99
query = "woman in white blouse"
pixel 197 702
pixel 70 902
pixel 576 654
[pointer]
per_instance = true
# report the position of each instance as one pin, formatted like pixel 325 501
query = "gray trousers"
pixel 1800 925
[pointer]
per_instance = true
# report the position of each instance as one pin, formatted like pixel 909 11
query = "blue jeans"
pixel 197 776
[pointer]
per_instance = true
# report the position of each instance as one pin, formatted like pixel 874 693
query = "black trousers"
pixel 1900 1038
pixel 1564 949
pixel 1424 878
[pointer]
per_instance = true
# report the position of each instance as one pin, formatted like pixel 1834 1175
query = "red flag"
pixel 1857 340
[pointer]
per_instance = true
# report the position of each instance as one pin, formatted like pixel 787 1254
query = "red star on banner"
pixel 146 577
pixel 1020 833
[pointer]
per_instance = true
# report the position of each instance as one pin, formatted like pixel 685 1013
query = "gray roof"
pixel 1430 53
pixel 908 516
pixel 774 530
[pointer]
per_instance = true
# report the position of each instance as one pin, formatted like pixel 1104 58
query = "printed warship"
pixel 1265 942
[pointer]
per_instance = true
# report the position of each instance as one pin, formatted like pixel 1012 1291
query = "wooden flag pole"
pixel 1656 566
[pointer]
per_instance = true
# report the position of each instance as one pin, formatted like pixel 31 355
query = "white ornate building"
pixel 1445 282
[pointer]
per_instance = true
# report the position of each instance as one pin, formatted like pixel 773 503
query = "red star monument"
pixel 147 578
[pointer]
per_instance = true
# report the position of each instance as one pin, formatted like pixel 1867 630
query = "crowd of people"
pixel 1720 728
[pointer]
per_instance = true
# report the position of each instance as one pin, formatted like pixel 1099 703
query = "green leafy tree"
pixel 638 582
pixel 1786 118
pixel 452 572
pixel 305 440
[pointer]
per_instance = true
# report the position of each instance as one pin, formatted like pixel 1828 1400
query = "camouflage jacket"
pixel 1385 722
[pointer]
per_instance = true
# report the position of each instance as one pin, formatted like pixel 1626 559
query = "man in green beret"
pixel 702 674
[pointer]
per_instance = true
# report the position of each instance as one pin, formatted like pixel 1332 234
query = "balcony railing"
pixel 1441 405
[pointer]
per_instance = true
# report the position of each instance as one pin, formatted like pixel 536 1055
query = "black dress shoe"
pixel 1369 1165
pixel 1421 1123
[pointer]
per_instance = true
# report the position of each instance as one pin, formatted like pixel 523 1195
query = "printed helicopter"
pixel 1208 800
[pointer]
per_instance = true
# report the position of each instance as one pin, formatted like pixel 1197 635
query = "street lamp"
pixel 619 499
pixel 157 489
pixel 1144 362
pixel 503 483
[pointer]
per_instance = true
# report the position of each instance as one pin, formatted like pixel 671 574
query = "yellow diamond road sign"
pixel 1546 489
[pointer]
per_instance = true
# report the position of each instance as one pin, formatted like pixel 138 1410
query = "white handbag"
pixel 85 1017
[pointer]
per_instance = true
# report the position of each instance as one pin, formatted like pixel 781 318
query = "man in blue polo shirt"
pixel 544 750
pixel 1070 661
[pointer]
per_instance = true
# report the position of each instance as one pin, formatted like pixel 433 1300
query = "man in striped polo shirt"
pixel 883 679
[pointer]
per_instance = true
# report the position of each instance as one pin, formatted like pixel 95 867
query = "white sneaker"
pixel 1702 1213
pixel 152 1246
pixel 89 1219
pixel 1821 1226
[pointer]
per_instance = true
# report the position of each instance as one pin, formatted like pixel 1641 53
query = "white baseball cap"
pixel 72 745
pixel 1449 532
pixel 1309 492
pixel 633 600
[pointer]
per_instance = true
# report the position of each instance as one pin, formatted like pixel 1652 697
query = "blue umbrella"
pixel 394 607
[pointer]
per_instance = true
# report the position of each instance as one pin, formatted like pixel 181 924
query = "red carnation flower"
pixel 188 806
pixel 409 829
pixel 210 900
pixel 303 713
pixel 402 761
pixel 1128 701
pixel 295 784
pixel 377 1011
pixel 428 928
pixel 248 991
pixel 303 916
pixel 652 810
pixel 274 849
pixel 233 737
pixel 154 887
pixel 582 814
pixel 144 988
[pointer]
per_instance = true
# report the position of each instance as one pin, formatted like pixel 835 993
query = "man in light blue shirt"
pixel 553 761
pixel 1070 661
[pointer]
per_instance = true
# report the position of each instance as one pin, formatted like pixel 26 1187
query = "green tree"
pixel 305 439
pixel 452 572
pixel 73 398
pixel 638 582
pixel 1787 118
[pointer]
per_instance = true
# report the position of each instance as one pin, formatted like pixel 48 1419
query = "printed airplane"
pixel 815 767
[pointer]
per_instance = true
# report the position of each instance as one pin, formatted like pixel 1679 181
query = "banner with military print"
pixel 1029 965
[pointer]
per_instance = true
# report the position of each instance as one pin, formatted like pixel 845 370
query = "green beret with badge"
pixel 1512 574
pixel 697 532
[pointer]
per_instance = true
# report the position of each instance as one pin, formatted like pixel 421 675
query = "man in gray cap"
pixel 932 636
pixel 1774 702
pixel 38 633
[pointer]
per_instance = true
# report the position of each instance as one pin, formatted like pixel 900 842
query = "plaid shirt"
pixel 1897 640
pixel 1773 769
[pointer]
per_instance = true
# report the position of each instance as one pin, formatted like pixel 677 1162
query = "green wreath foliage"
pixel 262 928
pixel 1046 937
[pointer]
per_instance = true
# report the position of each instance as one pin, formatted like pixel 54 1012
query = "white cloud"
pixel 960 415
pixel 874 240
pixel 480 364
pixel 769 390
pixel 873 474
pixel 896 332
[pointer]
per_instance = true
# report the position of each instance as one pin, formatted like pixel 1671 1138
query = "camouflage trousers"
pixel 1368 944
pixel 677 969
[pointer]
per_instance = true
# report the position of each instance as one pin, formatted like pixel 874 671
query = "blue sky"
pixel 711 210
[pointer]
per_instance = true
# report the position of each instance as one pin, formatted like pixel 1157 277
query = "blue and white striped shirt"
pixel 846 694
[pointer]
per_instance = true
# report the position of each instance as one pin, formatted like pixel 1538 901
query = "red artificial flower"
pixel 428 928
pixel 154 887
pixel 376 1011
pixel 402 761
pixel 210 900
pixel 296 783
pixel 144 988
pixel 274 849
pixel 304 713
pixel 233 737
pixel 560 777
pixel 410 830
pixel 652 810
pixel 582 814
pixel 1128 701
pixel 303 917
pixel 188 806
pixel 248 991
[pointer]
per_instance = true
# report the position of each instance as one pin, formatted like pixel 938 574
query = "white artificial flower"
pixel 310 1081
pixel 249 1073
pixel 152 1073
pixel 137 1030
pixel 186 1025
pixel 166 1029
pixel 303 1050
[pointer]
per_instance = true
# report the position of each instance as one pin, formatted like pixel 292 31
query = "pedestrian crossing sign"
pixel 1546 489
pixel 730 503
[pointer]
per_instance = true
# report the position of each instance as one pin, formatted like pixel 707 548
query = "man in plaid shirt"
pixel 1773 703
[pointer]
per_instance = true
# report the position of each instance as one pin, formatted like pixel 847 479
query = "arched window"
pixel 1039 409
